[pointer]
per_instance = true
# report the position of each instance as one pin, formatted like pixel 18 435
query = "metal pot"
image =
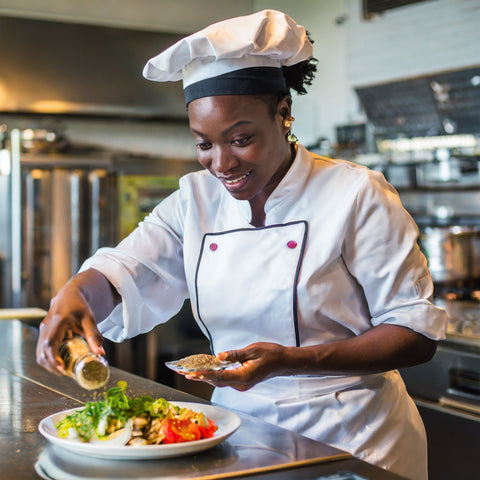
pixel 453 252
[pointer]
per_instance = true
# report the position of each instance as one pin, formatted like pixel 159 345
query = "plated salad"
pixel 123 420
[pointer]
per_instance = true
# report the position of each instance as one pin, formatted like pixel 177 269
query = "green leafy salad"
pixel 141 420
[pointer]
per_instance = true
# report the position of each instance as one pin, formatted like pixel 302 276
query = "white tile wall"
pixel 432 36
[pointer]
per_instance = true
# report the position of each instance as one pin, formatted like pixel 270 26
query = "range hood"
pixel 63 68
pixel 435 104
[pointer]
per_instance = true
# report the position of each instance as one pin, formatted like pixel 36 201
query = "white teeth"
pixel 239 179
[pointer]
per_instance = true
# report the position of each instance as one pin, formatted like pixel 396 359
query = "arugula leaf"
pixel 110 414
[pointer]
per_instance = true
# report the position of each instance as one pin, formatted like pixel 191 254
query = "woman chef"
pixel 304 269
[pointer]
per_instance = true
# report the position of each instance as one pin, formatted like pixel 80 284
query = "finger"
pixel 225 378
pixel 46 362
pixel 48 345
pixel 82 323
pixel 43 362
pixel 207 376
pixel 201 378
pixel 196 378
pixel 92 335
pixel 243 355
pixel 53 331
pixel 231 356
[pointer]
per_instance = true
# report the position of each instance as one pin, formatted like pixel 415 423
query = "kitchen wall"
pixel 171 140
pixel 179 16
pixel 405 42
pixel 432 36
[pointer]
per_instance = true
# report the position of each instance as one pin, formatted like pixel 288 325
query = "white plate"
pixel 227 422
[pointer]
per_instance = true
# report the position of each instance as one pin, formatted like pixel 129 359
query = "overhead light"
pixel 428 143
pixel 28 134
pixel 449 126
pixel 475 80
pixel 440 92
pixel 5 164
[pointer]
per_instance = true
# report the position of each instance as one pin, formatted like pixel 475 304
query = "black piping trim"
pixel 297 274
pixel 196 294
pixel 295 291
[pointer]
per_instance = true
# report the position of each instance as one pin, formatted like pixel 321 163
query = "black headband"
pixel 246 81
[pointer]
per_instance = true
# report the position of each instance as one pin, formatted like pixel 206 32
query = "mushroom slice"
pixel 119 437
pixel 137 441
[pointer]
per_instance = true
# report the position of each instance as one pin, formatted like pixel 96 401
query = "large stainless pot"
pixel 453 252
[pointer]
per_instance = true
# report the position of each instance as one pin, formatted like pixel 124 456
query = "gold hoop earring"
pixel 288 122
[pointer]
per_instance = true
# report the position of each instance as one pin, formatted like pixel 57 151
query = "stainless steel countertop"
pixel 29 393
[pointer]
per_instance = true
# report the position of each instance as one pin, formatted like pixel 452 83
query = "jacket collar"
pixel 286 192
pixel 292 183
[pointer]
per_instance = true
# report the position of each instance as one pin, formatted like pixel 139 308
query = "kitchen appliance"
pixel 447 388
pixel 56 208
pixel 452 378
pixel 59 203
pixel 453 252
pixel 446 391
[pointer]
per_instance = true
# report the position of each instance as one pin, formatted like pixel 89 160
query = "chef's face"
pixel 242 141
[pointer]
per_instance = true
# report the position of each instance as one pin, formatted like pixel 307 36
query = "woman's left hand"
pixel 259 361
pixel 382 348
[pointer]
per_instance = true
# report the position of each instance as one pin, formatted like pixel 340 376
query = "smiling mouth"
pixel 236 180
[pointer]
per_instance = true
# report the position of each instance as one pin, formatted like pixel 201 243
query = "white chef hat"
pixel 239 56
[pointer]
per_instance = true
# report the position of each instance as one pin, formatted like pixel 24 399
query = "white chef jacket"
pixel 337 256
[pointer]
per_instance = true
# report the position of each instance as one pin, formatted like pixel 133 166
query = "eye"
pixel 203 145
pixel 242 141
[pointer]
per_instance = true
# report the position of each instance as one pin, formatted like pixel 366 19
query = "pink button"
pixel 213 247
pixel 292 244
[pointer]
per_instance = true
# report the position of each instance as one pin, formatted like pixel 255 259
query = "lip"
pixel 235 182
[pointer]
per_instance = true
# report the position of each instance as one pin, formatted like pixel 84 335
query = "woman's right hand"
pixel 69 314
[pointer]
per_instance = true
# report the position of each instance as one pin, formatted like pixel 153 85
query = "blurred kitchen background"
pixel 87 148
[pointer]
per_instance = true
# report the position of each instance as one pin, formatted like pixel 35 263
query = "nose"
pixel 223 160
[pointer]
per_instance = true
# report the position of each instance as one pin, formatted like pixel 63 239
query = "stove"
pixel 446 390
pixel 452 378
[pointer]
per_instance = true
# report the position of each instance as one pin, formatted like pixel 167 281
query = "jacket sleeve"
pixel 147 270
pixel 381 251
